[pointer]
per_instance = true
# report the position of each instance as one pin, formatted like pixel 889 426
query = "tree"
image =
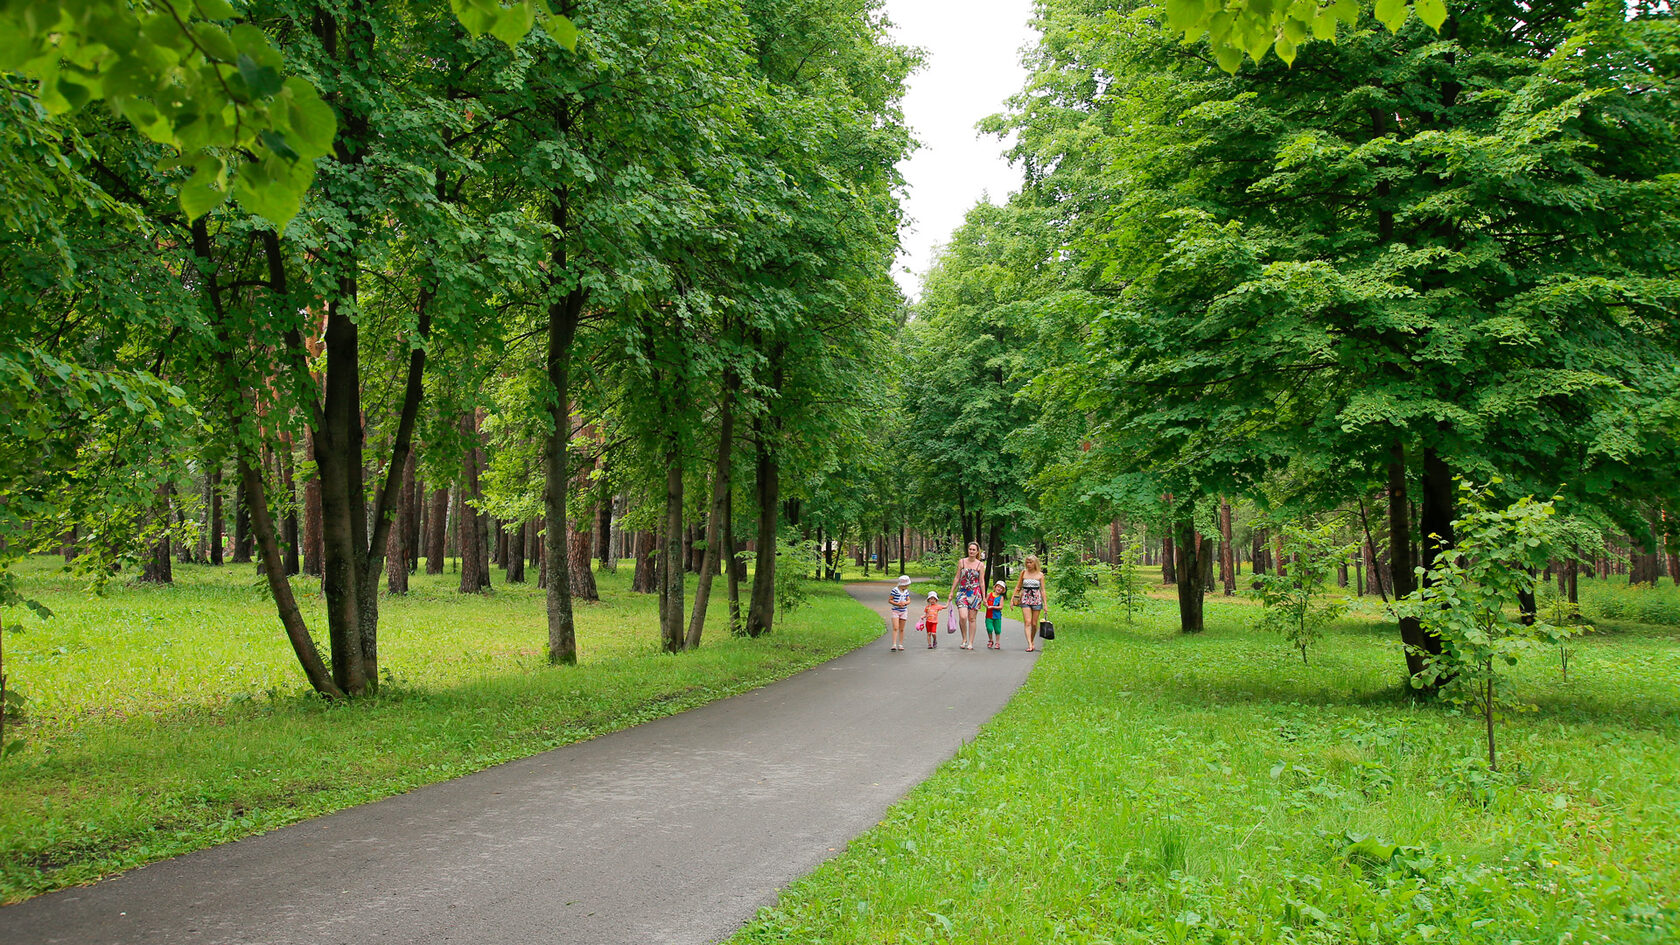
pixel 1298 604
pixel 1472 595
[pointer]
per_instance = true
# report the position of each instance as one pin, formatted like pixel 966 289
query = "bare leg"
pixel 1029 620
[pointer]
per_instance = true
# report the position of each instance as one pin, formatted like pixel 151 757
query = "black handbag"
pixel 1046 630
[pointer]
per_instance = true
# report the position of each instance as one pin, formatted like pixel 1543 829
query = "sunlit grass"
pixel 162 720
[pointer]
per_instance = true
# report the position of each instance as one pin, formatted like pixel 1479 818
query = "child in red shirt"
pixel 930 618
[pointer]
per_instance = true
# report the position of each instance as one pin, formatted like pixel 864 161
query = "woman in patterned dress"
pixel 1029 596
pixel 966 590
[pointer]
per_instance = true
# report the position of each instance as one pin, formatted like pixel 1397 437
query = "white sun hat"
pixel 933 595
pixel 904 580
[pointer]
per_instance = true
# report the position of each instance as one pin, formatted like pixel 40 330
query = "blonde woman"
pixel 1029 596
pixel 966 588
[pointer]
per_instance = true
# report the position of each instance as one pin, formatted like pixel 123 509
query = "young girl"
pixel 1029 596
pixel 930 618
pixel 994 618
pixel 899 599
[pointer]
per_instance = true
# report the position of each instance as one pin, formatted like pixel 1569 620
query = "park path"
pixel 675 831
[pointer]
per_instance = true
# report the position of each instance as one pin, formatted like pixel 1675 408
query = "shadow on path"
pixel 675 831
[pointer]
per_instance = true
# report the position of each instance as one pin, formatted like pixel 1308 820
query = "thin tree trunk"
pixel 1227 552
pixel 733 564
pixel 671 594
pixel 291 619
pixel 563 316
pixel 1169 558
pixel 715 522
pixel 761 616
pixel 437 523
pixel 1401 578
pixel 217 517
pixel 467 522
pixel 314 541
pixel 396 547
pixel 289 522
pixel 242 546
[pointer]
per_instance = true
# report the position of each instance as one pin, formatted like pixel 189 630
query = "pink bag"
pixel 951 621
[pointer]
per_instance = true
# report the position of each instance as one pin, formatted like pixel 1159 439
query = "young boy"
pixel 930 618
pixel 898 599
pixel 994 618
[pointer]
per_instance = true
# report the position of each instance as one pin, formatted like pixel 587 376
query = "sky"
pixel 972 64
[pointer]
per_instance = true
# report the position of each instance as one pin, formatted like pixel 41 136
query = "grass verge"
pixel 1145 786
pixel 164 720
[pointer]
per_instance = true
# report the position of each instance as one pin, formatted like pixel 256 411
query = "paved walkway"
pixel 675 831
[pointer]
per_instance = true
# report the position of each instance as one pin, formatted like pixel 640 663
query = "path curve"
pixel 675 831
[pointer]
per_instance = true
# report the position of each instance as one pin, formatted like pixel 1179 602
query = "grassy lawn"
pixel 163 720
pixel 1147 787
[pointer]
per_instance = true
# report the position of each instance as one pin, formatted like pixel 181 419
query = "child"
pixel 899 599
pixel 994 618
pixel 930 618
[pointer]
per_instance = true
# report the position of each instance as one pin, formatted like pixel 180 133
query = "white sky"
pixel 972 64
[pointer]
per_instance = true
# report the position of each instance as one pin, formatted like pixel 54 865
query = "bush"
pixel 1070 576
pixel 1639 603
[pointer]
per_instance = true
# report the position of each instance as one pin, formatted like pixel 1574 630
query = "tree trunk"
pixel 467 521
pixel 241 530
pixel 761 615
pixel 515 573
pixel 1401 579
pixel 1435 521
pixel 646 578
pixel 291 619
pixel 396 547
pixel 314 542
pixel 563 318
pixel 1227 551
pixel 604 518
pixel 437 523
pixel 580 546
pixel 159 567
pixel 217 517
pixel 289 522
pixel 733 565
pixel 716 521
pixel 1190 577
pixel 671 566
pixel 1169 557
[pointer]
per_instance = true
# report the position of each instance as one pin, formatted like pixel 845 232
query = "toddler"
pixel 899 600
pixel 994 618
pixel 930 618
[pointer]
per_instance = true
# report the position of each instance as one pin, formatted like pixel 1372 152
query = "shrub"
pixel 1070 576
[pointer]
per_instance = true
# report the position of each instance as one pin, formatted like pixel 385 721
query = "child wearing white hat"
pixel 899 601
pixel 930 618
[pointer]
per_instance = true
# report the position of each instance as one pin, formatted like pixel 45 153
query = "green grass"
pixel 1148 787
pixel 163 720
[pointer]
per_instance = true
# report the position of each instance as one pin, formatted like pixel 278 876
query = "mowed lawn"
pixel 165 719
pixel 1149 787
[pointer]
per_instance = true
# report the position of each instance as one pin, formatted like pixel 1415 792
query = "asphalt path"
pixel 675 831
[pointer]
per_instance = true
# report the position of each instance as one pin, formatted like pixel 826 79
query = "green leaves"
pixel 511 23
pixel 183 76
pixel 1251 28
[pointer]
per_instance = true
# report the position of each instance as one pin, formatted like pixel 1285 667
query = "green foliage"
pixel 1470 597
pixel 796 561
pixel 1071 575
pixel 1126 575
pixel 1255 26
pixel 1615 600
pixel 194 674
pixel 1299 604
